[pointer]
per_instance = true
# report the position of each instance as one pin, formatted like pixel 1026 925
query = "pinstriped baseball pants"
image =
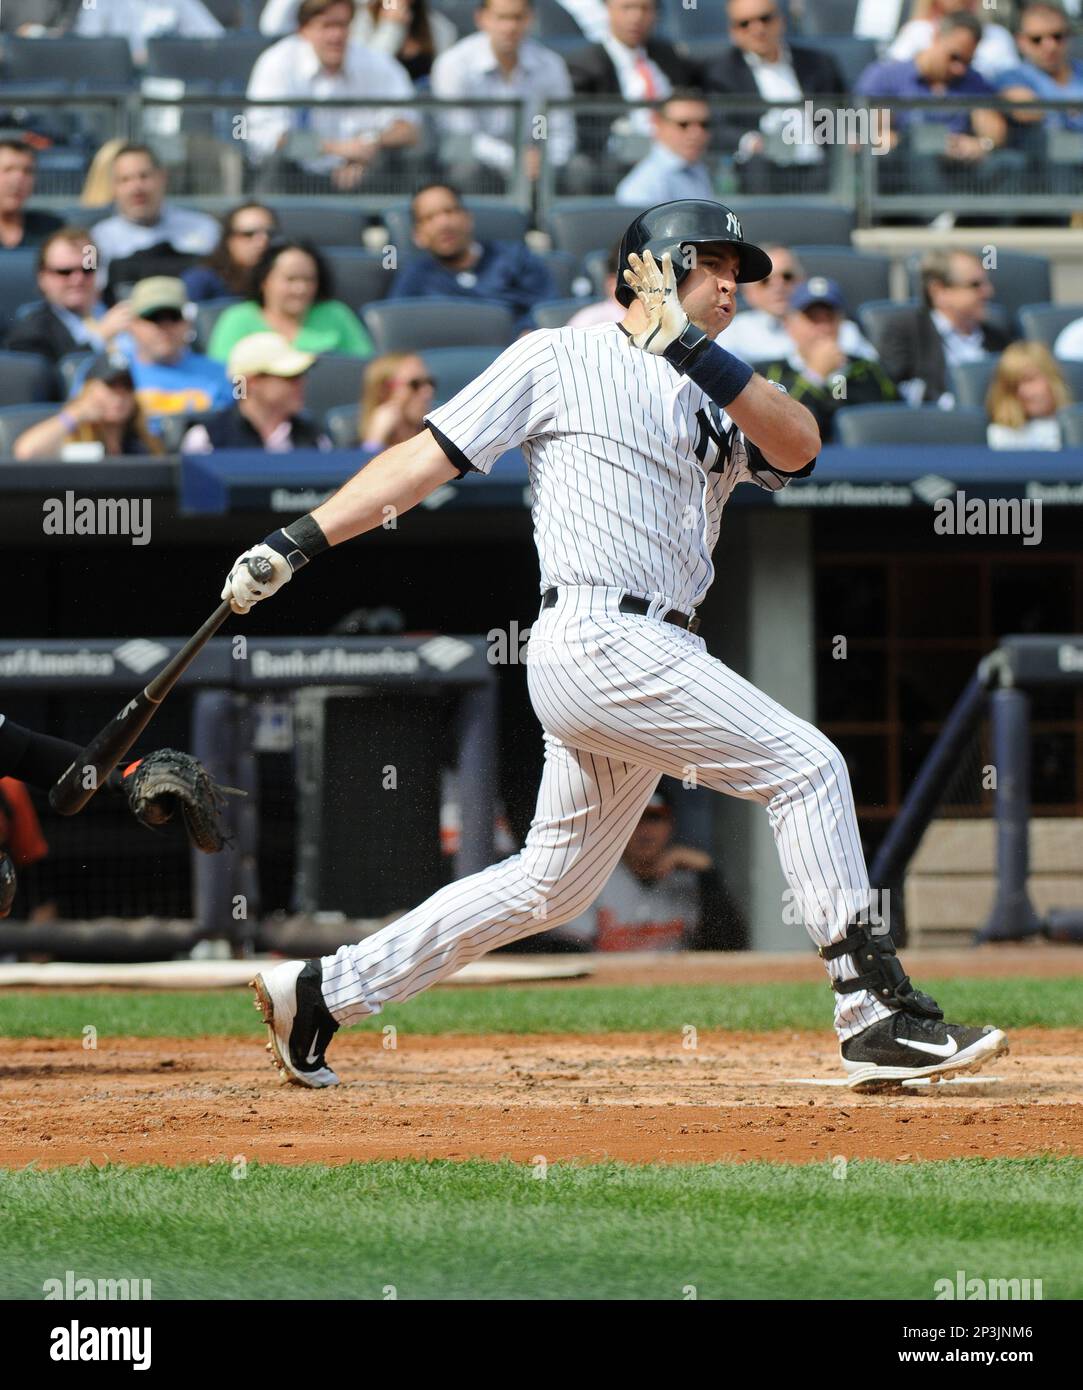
pixel 623 699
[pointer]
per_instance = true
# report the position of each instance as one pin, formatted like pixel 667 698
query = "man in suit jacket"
pixel 69 316
pixel 917 349
pixel 761 64
pixel 628 62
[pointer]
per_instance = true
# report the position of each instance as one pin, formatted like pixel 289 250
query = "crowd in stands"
pixel 160 325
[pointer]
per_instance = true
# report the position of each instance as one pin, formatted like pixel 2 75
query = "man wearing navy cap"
pixel 818 373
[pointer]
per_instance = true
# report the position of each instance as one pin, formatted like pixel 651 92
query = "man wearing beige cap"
pixel 267 375
pixel 170 378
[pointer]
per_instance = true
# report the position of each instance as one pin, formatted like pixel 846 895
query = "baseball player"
pixel 635 434
pixel 155 788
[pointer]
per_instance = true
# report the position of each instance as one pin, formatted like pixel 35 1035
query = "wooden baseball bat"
pixel 75 786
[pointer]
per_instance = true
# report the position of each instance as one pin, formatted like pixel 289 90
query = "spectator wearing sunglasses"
pixel 268 375
pixel 758 332
pixel 762 64
pixel 396 394
pixel 995 53
pixel 247 231
pixel 1048 71
pixel 70 315
pixel 918 348
pixel 675 167
pixel 170 378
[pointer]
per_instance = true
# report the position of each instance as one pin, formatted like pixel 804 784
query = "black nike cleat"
pixel 904 1046
pixel 300 1026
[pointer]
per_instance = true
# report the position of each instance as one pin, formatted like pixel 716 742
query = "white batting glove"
pixel 655 287
pixel 257 574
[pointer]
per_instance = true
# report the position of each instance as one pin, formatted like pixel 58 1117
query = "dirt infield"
pixel 642 1098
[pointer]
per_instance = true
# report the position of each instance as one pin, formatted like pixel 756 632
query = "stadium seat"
pixel 173 428
pixel 492 222
pixel 18 284
pixel 453 368
pixel 596 265
pixel 1072 372
pixel 327 224
pixel 552 20
pixel 1044 323
pixel 582 225
pixel 829 17
pixel 14 419
pixel 1071 425
pixel 341 424
pixel 859 425
pixel 852 55
pixel 555 313
pixel 70 367
pixel 221 64
pixel 861 275
pixel 875 315
pixel 26 378
pixel 68 63
pixel 566 271
pixel 1019 279
pixel 970 382
pixel 207 314
pixel 359 276
pixel 786 221
pixel 333 380
pixel 409 325
pixel 691 25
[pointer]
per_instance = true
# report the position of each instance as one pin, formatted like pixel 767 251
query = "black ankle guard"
pixel 881 972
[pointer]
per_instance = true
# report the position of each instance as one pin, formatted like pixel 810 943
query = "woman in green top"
pixel 292 295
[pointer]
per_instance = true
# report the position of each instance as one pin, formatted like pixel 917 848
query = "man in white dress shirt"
pixel 339 144
pixel 759 333
pixel 501 62
pixel 675 167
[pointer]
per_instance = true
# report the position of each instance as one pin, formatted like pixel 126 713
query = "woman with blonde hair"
pixel 396 394
pixel 995 54
pixel 104 413
pixel 1024 397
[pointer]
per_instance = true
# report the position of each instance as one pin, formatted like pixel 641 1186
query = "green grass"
pixel 492 1230
pixel 1010 1003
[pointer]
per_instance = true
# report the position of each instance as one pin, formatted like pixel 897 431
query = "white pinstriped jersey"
pixel 630 462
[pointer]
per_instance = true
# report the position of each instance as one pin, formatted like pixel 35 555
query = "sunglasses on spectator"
pixel 67 270
pixel 1058 36
pixel 969 284
pixel 685 125
pixel 787 275
pixel 164 316
pixel 415 383
pixel 252 231
pixel 756 19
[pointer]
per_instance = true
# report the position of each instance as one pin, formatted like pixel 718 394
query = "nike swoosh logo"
pixel 313 1055
pixel 947 1049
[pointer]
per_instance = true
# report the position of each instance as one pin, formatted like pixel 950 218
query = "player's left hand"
pixel 655 287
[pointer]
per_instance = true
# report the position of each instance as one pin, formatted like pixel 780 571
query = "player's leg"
pixel 672 703
pixel 587 808
pixel 38 759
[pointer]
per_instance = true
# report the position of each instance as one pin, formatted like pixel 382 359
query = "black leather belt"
pixel 631 603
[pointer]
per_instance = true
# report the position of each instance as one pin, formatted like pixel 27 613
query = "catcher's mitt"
pixel 167 779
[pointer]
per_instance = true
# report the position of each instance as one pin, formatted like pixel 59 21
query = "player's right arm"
pixel 388 485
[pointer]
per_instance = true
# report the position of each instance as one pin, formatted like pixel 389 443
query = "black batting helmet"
pixel 687 222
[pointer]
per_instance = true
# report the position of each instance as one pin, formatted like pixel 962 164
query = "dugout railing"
pixel 1001 689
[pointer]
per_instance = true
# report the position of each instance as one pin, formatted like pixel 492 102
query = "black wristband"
pixel 718 373
pixel 300 541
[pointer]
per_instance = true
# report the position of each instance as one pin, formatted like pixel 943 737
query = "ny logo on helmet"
pixel 732 225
